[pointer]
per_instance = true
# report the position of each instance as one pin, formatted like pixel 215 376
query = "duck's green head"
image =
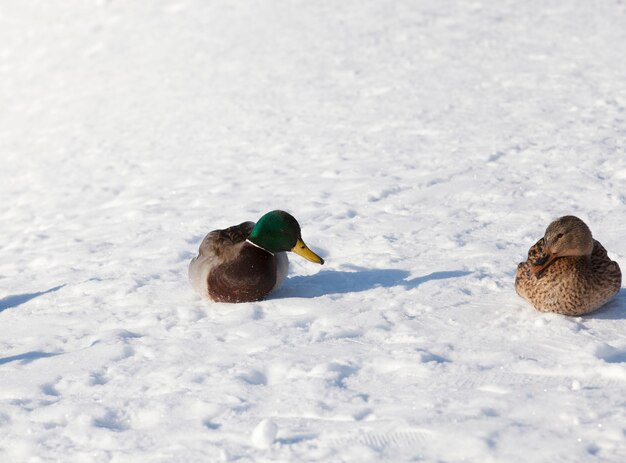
pixel 278 231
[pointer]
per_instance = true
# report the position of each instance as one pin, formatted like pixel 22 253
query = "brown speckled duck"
pixel 245 262
pixel 567 271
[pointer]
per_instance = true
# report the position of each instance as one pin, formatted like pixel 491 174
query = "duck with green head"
pixel 245 262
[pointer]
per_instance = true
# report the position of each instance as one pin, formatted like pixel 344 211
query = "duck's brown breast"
pixel 250 276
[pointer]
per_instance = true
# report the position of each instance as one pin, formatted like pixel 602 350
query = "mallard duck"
pixel 567 271
pixel 246 262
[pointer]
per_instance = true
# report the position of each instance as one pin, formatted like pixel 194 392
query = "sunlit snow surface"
pixel 422 145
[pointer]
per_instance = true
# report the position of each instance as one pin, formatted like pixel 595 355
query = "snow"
pixel 423 147
pixel 264 434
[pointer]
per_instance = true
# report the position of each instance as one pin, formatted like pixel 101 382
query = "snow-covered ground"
pixel 422 145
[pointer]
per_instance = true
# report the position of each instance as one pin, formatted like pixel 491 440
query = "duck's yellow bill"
pixel 302 250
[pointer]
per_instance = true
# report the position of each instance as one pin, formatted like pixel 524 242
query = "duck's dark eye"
pixel 559 236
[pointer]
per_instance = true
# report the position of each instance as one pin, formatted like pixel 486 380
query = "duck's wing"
pixel 524 279
pixel 217 242
pixel 598 251
pixel 603 267
pixel 606 271
pixel 217 246
pixel 536 251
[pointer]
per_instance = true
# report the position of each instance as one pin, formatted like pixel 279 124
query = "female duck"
pixel 245 262
pixel 567 271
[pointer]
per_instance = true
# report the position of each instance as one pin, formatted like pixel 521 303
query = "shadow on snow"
pixel 338 282
pixel 27 357
pixel 19 299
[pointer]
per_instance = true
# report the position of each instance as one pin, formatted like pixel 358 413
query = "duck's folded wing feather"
pixel 536 251
pixel 215 247
pixel 598 251
pixel 217 241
